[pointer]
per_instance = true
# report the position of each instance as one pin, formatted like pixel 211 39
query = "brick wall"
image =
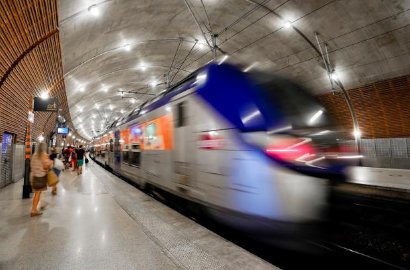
pixel 30 63
pixel 382 108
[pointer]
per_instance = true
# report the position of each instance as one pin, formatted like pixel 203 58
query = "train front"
pixel 285 152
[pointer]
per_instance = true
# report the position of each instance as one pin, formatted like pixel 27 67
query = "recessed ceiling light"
pixel 127 47
pixel 287 24
pixel 142 66
pixel 94 10
pixel 201 46
pixel 153 83
pixel 334 76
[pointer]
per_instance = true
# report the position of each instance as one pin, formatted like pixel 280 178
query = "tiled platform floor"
pixel 97 221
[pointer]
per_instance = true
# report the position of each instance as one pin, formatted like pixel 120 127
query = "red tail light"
pixel 292 149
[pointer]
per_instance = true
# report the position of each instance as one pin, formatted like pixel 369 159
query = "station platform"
pixel 98 221
pixel 384 182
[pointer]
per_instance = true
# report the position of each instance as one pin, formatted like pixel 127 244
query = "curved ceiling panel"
pixel 111 46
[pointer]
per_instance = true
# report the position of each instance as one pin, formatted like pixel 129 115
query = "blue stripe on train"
pixel 230 92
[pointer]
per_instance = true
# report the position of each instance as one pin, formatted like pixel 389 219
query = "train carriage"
pixel 230 141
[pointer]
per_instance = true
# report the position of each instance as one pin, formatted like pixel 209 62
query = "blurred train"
pixel 249 147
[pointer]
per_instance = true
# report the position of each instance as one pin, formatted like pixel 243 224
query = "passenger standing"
pixel 74 159
pixel 80 159
pixel 40 164
pixel 67 154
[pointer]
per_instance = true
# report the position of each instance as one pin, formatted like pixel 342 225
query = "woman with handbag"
pixel 40 165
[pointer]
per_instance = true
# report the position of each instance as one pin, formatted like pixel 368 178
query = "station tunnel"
pixel 211 131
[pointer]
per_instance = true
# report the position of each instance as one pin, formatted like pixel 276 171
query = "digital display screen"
pixel 63 131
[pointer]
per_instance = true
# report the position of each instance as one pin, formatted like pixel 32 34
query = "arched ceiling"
pixel 111 46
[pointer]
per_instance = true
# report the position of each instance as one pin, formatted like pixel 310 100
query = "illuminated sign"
pixel 63 130
pixel 45 105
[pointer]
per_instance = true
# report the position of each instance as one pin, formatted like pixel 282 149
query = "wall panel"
pixel 30 63
pixel 382 108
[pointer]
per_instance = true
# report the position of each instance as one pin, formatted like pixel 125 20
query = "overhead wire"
pixel 182 63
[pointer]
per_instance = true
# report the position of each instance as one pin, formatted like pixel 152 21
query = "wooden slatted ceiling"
pixel 382 108
pixel 30 63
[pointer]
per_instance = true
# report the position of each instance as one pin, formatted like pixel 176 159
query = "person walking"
pixel 80 159
pixel 74 159
pixel 67 154
pixel 58 166
pixel 40 164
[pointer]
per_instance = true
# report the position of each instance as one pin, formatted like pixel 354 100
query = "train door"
pixel 110 154
pixel 183 156
pixel 6 160
pixel 117 151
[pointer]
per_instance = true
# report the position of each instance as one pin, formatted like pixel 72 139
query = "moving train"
pixel 249 147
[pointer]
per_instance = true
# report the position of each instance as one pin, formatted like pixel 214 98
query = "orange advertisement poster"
pixel 158 133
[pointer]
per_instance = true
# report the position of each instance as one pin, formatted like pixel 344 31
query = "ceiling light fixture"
pixel 250 67
pixel 94 10
pixel 142 66
pixel 201 46
pixel 357 133
pixel 153 83
pixel 334 76
pixel 287 24
pixel 315 116
pixel 44 95
pixel 223 59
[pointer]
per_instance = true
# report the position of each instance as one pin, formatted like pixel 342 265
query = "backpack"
pixel 74 155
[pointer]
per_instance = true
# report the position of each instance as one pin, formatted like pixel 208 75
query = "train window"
pixel 135 147
pixel 111 145
pixel 294 102
pixel 125 156
pixel 180 114
pixel 135 158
